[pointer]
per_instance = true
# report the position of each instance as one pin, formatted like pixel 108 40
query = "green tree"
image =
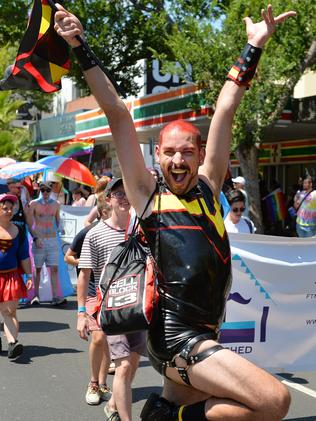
pixel 13 17
pixel 13 21
pixel 211 50
pixel 121 32
pixel 14 142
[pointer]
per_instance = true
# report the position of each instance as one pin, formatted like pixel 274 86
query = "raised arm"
pixel 220 132
pixel 139 183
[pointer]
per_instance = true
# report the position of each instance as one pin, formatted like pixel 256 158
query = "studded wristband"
pixel 244 69
pixel 84 57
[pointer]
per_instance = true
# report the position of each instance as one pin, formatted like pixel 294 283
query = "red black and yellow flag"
pixel 43 56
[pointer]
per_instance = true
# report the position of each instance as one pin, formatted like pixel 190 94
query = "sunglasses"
pixel 5 208
pixel 46 190
pixel 235 210
pixel 118 194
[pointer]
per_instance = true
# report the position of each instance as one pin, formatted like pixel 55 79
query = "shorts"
pixel 172 332
pixel 47 254
pixel 91 308
pixel 305 231
pixel 161 365
pixel 12 287
pixel 121 346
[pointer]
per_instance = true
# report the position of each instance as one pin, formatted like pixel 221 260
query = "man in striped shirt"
pixel 125 349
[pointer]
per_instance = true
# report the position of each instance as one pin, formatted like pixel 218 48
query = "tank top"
pixel 194 255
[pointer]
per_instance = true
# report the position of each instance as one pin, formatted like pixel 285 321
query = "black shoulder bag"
pixel 128 284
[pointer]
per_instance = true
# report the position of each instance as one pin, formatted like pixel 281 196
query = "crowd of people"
pixel 193 255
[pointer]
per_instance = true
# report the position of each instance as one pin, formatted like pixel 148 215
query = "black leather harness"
pixel 183 360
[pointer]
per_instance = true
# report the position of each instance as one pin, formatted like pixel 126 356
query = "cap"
pixel 11 197
pixel 115 182
pixel 239 180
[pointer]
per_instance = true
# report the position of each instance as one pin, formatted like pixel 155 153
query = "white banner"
pixel 271 311
pixel 71 222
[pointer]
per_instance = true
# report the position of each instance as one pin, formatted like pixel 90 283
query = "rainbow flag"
pixel 275 205
pixel 75 147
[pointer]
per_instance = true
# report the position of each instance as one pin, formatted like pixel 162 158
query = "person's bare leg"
pixel 237 389
pixel 125 369
pixel 181 394
pixel 98 349
pixel 10 321
pixel 37 281
pixel 54 280
pixel 105 363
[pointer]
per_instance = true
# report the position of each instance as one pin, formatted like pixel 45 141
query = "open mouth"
pixel 178 174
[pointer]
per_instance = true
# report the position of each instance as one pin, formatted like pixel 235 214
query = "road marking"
pixel 298 387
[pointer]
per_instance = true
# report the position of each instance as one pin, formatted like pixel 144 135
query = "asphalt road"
pixel 48 382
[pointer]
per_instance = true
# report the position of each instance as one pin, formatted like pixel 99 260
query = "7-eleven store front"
pixel 150 114
pixel 281 160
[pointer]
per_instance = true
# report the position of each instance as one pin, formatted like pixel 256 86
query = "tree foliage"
pixel 14 142
pixel 122 32
pixel 13 17
pixel 211 50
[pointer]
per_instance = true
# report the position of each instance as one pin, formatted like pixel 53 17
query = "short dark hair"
pixel 78 191
pixel 45 184
pixel 235 196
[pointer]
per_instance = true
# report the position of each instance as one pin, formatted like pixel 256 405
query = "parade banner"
pixel 71 222
pixel 271 310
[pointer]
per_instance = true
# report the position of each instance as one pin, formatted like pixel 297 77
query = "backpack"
pixel 127 290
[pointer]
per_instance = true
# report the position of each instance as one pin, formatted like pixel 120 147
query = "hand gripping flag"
pixel 43 56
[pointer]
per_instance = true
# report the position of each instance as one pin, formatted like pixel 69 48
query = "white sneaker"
pixel 111 415
pixel 57 301
pixel 93 395
pixel 35 300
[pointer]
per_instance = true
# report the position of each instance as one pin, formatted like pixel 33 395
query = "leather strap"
pixel 191 359
pixel 194 359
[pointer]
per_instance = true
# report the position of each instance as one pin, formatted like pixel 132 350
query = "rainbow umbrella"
pixel 69 168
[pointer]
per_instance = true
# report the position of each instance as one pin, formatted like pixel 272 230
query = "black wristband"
pixel 244 69
pixel 84 57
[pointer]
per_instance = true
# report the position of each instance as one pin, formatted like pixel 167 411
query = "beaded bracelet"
pixel 84 57
pixel 244 68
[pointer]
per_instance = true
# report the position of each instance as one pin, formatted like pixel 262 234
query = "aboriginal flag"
pixel 43 56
